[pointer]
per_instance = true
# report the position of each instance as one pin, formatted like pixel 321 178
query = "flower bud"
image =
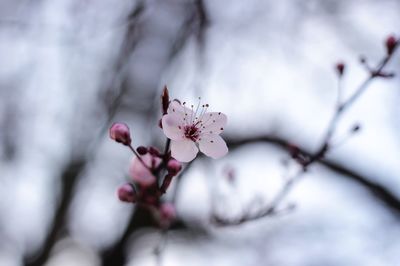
pixel 390 44
pixel 174 167
pixel 340 68
pixel 141 150
pixel 140 170
pixel 120 133
pixel 165 100
pixel 127 193
pixel 154 151
pixel 167 212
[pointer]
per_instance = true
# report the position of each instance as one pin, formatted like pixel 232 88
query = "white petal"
pixel 180 110
pixel 213 145
pixel 172 126
pixel 213 122
pixel 184 151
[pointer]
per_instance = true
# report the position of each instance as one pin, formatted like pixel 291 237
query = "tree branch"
pixel 383 194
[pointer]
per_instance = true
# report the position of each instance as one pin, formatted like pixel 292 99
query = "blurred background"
pixel 72 67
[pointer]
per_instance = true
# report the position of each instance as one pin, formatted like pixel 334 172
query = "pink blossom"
pixel 141 174
pixel 191 130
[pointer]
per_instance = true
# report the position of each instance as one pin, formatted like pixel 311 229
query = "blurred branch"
pixel 68 178
pixel 383 194
pixel 140 218
pixel 195 24
pixel 76 167
pixel 306 159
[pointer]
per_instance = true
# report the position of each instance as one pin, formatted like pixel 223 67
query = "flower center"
pixel 191 132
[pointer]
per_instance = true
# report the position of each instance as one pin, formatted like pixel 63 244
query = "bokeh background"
pixel 69 68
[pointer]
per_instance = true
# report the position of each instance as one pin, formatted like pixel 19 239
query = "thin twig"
pixel 316 156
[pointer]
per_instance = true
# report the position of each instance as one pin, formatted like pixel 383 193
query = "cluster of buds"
pixel 150 172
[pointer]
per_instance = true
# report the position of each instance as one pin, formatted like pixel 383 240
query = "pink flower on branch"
pixel 191 130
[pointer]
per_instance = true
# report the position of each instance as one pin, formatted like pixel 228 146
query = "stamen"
pixel 191 132
pixel 197 109
pixel 184 111
pixel 191 115
pixel 203 111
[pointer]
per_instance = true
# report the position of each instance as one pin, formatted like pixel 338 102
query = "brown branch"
pixel 378 191
pixel 114 255
pixel 68 178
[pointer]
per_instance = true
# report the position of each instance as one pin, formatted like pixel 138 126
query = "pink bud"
pixel 390 44
pixel 167 212
pixel 140 173
pixel 154 151
pixel 340 68
pixel 174 167
pixel 120 133
pixel 127 193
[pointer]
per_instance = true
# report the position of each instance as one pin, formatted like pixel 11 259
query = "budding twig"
pixel 325 146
